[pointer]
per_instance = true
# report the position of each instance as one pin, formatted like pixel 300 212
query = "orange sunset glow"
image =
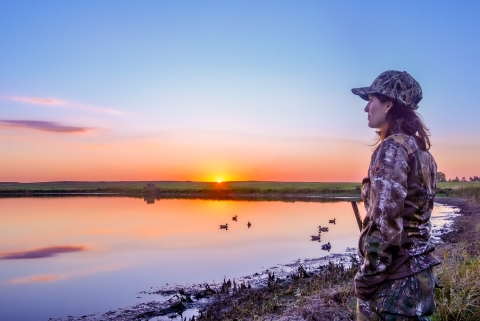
pixel 297 159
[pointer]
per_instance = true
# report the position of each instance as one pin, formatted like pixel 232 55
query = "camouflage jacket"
pixel 398 195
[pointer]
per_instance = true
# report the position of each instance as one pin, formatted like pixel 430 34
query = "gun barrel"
pixel 357 215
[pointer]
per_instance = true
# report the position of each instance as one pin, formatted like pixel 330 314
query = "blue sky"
pixel 238 89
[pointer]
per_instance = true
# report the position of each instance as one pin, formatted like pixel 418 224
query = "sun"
pixel 219 181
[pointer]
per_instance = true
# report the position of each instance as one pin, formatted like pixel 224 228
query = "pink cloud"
pixel 63 103
pixel 45 126
pixel 42 101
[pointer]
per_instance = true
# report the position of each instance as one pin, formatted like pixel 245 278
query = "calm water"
pixel 80 255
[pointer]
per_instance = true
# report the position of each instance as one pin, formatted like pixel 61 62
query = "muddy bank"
pixel 466 226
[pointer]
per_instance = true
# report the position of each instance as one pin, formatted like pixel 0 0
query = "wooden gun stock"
pixel 357 215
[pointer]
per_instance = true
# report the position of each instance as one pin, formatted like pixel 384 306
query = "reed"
pixel 466 192
pixel 459 299
pixel 324 295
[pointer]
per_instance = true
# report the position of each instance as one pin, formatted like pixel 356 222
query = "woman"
pixel 396 279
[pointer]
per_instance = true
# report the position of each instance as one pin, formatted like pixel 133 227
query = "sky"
pixel 226 90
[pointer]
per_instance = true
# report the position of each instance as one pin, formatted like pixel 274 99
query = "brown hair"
pixel 401 118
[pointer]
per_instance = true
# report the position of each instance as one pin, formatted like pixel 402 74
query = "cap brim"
pixel 363 92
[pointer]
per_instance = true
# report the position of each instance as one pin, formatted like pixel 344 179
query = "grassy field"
pixel 469 190
pixel 160 189
pixel 456 185
pixel 173 185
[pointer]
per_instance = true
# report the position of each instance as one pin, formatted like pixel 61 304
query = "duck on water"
pixel 327 246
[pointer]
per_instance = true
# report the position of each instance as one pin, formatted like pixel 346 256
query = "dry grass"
pixel 327 295
pixel 460 272
pixel 459 299
pixel 468 190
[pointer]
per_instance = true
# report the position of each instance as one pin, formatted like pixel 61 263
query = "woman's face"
pixel 377 112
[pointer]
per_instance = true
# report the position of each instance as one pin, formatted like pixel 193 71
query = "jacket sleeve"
pixel 382 237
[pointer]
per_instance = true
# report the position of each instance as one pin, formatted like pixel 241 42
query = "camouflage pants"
pixel 407 299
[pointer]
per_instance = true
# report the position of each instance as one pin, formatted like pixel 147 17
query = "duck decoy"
pixel 224 226
pixel 316 237
pixel 327 246
pixel 249 224
pixel 234 218
pixel 322 229
pixel 332 221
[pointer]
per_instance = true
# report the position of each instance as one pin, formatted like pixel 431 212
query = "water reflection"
pixel 93 254
pixel 149 199
pixel 41 253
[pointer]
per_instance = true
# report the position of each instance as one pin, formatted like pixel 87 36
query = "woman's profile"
pixel 396 280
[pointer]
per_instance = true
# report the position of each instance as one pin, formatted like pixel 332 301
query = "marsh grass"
pixel 456 185
pixel 325 295
pixel 472 192
pixel 465 190
pixel 459 299
pixel 329 294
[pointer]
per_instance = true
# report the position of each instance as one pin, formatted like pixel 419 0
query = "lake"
pixel 62 256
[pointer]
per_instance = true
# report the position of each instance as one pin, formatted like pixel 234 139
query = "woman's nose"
pixel 367 107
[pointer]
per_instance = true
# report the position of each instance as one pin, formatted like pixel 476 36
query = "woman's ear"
pixel 388 106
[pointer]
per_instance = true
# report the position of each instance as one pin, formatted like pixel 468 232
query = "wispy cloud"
pixel 52 102
pixel 41 253
pixel 42 101
pixel 45 126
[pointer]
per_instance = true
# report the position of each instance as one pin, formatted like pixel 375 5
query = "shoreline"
pixel 177 300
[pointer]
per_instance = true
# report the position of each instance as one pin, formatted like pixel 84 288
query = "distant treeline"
pixel 441 177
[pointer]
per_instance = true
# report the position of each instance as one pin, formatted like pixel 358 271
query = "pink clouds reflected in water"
pixel 41 253
pixel 40 278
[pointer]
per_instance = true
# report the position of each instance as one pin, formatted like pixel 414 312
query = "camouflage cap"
pixel 398 85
